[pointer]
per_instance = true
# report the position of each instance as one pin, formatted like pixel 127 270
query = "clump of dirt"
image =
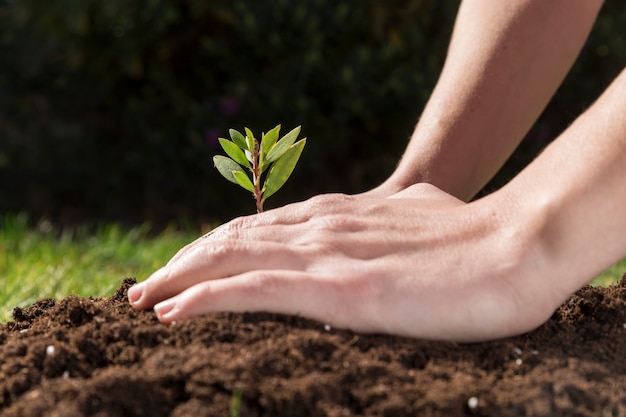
pixel 99 357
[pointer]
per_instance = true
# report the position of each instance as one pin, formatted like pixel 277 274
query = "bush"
pixel 112 109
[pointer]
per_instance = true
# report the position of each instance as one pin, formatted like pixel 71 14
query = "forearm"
pixel 574 194
pixel 505 61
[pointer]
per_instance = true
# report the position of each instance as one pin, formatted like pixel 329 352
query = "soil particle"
pixel 99 357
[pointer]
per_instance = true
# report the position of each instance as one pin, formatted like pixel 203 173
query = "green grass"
pixel 611 275
pixel 44 262
pixel 39 262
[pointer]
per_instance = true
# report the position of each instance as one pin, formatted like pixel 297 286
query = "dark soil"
pixel 99 357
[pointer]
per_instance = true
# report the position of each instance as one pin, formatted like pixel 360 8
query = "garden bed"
pixel 99 357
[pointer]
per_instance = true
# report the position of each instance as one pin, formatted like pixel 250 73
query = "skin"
pixel 411 257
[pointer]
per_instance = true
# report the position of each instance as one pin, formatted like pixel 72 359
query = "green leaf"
pixel 238 138
pixel 234 152
pixel 267 143
pixel 282 169
pixel 282 145
pixel 268 140
pixel 226 167
pixel 250 139
pixel 243 180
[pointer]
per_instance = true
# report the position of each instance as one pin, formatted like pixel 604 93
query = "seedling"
pixel 269 161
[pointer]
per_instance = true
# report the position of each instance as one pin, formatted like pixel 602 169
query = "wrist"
pixel 546 242
pixel 528 246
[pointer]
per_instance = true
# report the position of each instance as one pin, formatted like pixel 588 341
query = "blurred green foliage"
pixel 112 109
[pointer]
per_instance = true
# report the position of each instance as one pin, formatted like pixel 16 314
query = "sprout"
pixel 269 161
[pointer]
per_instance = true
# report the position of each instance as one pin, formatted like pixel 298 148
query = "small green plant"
pixel 269 161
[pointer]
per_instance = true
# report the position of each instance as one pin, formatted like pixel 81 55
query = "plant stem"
pixel 256 178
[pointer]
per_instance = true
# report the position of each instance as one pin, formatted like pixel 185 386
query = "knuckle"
pixel 329 232
pixel 319 249
pixel 338 223
pixel 235 226
pixel 220 251
pixel 424 188
pixel 328 202
pixel 234 229
pixel 427 191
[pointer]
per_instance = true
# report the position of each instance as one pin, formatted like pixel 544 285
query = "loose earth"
pixel 99 357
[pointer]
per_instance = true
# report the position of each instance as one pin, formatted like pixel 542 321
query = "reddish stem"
pixel 256 178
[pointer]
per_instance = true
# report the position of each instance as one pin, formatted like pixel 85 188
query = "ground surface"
pixel 99 357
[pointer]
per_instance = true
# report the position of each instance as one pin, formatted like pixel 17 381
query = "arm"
pixel 505 61
pixel 576 193
pixel 423 263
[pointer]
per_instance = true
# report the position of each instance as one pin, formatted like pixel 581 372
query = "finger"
pixel 262 227
pixel 275 291
pixel 215 260
pixel 333 234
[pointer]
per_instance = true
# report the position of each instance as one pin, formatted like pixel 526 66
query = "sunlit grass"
pixel 611 275
pixel 43 262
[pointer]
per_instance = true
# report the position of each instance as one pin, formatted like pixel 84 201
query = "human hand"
pixel 420 263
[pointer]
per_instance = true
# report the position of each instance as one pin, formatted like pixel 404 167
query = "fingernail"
pixel 165 309
pixel 135 292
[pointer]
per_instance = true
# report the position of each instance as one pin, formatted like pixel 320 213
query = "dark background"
pixel 110 110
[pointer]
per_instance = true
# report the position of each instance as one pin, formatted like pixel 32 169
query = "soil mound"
pixel 99 357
